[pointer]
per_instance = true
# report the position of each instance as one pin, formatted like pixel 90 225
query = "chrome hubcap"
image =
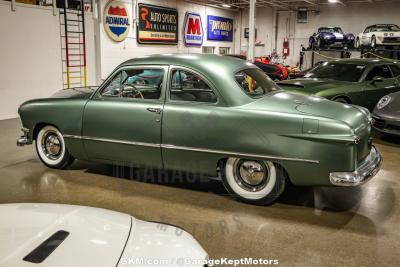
pixel 251 175
pixel 51 145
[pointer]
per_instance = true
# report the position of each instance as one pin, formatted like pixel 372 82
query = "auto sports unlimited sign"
pixel 157 25
pixel 193 30
pixel 219 29
pixel 116 21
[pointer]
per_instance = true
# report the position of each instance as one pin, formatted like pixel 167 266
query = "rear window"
pixel 255 83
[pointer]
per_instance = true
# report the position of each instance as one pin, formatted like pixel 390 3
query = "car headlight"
pixel 384 102
pixel 352 37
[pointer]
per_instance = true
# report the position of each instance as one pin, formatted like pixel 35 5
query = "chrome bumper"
pixel 24 140
pixel 362 174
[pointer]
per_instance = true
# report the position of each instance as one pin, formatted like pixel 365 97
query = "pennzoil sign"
pixel 157 25
pixel 193 30
pixel 116 20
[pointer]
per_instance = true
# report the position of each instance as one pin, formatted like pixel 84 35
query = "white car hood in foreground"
pixel 97 237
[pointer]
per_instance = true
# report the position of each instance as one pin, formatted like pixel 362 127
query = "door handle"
pixel 154 110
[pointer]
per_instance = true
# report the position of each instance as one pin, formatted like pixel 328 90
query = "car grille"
pixel 393 127
pixel 391 39
pixel 378 123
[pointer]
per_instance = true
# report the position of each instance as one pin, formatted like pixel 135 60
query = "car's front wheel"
pixel 253 181
pixel 51 149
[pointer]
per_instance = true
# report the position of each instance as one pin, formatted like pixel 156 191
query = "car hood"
pixel 311 86
pixel 97 237
pixel 355 117
pixel 391 110
pixel 79 92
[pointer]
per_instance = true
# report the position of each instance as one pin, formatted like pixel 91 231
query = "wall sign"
pixel 116 20
pixel 193 30
pixel 247 33
pixel 157 25
pixel 219 29
pixel 302 13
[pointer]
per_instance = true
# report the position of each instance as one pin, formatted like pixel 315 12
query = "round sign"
pixel 116 20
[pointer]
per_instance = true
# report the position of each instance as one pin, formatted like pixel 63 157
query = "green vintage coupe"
pixel 206 114
pixel 353 81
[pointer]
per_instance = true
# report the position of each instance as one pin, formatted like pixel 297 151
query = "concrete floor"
pixel 306 227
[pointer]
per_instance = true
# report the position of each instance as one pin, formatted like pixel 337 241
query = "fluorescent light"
pixel 332 1
pixel 226 5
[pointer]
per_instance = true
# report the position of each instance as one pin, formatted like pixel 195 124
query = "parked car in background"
pixel 379 35
pixel 327 37
pixel 386 114
pixel 210 115
pixel 302 73
pixel 276 72
pixel 351 81
pixel 65 235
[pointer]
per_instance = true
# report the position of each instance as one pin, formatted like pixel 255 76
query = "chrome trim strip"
pixel 195 149
pixel 235 153
pixel 112 141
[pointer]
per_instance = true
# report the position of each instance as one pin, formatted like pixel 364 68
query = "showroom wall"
pixel 31 55
pixel 265 39
pixel 352 18
pixel 112 53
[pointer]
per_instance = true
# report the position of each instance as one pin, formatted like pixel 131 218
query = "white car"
pixel 379 34
pixel 64 235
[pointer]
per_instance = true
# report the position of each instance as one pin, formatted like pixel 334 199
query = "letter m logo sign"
pixel 193 30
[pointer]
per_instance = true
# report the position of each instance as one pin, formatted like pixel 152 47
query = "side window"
pixel 187 86
pixel 380 71
pixel 367 30
pixel 136 83
pixel 396 70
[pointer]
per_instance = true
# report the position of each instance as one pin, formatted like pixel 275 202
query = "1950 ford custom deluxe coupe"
pixel 207 114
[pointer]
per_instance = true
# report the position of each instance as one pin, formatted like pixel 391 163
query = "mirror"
pixel 377 79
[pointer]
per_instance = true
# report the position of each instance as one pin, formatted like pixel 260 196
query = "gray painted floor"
pixel 306 227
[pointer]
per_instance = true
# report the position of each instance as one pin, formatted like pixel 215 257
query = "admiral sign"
pixel 157 25
pixel 219 29
pixel 193 30
pixel 116 20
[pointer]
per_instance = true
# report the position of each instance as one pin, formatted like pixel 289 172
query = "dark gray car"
pixel 387 114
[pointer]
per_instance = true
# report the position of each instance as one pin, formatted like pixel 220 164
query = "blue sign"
pixel 219 29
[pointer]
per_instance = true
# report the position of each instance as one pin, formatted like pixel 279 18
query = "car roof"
pixel 219 70
pixel 367 61
pixel 199 62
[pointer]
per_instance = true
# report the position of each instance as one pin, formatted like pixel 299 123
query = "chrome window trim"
pixel 185 148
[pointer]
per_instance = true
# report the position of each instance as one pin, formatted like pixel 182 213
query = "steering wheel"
pixel 135 92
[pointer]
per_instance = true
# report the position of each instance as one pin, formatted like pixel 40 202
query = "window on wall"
pixel 208 49
pixel 224 50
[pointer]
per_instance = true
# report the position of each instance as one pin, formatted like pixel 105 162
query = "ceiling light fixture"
pixel 226 5
pixel 332 1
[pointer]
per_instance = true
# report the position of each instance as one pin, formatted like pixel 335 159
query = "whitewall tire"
pixel 51 149
pixel 253 181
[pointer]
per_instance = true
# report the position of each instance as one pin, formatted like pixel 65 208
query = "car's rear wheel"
pixel 358 43
pixel 253 181
pixel 373 41
pixel 51 149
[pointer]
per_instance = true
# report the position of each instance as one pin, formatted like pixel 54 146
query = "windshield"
pixel 340 71
pixel 255 83
pixel 336 29
pixel 386 28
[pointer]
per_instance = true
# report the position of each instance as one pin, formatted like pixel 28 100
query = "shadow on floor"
pixel 323 198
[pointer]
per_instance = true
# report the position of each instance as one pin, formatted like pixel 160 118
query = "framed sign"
pixel 116 20
pixel 246 33
pixel 302 15
pixel 219 29
pixel 157 25
pixel 193 30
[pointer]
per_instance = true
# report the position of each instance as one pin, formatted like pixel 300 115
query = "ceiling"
pixel 284 4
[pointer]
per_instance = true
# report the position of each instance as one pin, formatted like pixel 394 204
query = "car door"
pixel 122 122
pixel 191 111
pixel 377 88
pixel 364 37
